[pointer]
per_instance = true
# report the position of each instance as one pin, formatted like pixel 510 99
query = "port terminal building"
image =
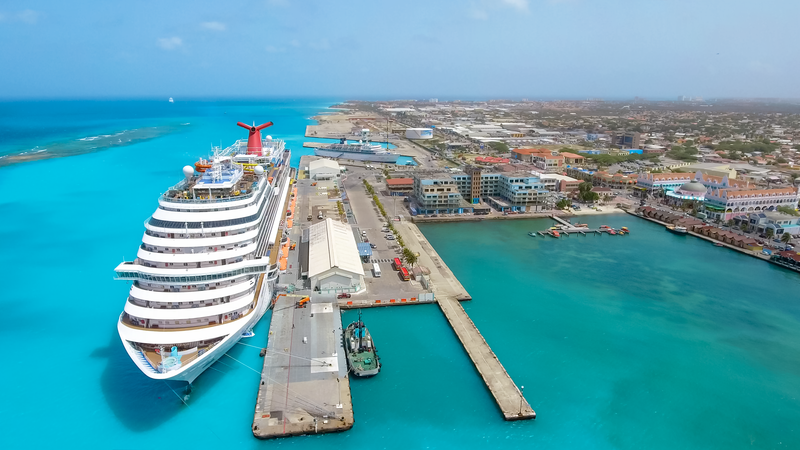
pixel 334 264
pixel 469 191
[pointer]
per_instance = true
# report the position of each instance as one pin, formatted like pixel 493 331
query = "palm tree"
pixel 786 237
pixel 769 233
pixel 409 257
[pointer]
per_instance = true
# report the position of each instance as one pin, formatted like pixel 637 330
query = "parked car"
pixel 389 237
pixel 343 295
pixel 373 245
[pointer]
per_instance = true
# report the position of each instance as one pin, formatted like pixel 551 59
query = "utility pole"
pixel 521 398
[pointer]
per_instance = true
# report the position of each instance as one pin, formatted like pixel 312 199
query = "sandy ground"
pixel 593 212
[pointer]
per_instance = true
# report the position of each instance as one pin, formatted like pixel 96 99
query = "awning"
pixel 364 249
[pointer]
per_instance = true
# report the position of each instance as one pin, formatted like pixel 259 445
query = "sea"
pixel 644 341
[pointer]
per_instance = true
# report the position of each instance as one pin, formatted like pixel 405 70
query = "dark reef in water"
pixel 91 144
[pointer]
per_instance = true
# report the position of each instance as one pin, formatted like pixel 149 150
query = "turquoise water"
pixel 649 340
pixel 621 342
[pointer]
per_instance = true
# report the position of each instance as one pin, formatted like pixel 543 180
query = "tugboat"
pixel 362 357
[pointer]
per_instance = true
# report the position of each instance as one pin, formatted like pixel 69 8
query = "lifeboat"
pixel 202 165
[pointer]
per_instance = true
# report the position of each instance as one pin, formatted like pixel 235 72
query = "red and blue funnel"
pixel 254 139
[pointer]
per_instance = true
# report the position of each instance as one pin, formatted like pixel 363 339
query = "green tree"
pixel 786 237
pixel 563 203
pixel 409 257
pixel 788 210
pixel 499 147
pixel 769 233
pixel 729 223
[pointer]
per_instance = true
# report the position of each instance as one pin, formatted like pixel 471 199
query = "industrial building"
pixel 323 169
pixel 419 133
pixel 334 264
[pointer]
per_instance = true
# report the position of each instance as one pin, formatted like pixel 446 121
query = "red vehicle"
pixel 343 295
pixel 396 264
pixel 404 274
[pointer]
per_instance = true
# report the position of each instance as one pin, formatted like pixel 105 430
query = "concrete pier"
pixel 449 292
pixel 304 386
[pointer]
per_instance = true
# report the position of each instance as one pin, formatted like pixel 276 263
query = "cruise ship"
pixel 206 269
pixel 361 151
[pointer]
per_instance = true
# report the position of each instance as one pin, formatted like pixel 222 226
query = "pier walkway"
pixel 561 221
pixel 449 292
pixel 304 388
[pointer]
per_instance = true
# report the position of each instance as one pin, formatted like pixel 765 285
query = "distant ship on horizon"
pixel 171 100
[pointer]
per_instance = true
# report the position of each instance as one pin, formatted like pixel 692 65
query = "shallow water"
pixel 643 341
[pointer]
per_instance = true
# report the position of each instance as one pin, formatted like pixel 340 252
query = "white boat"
pixel 171 100
pixel 361 151
pixel 205 272
pixel 677 229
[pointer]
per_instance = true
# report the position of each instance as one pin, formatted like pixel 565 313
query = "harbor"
pixel 304 386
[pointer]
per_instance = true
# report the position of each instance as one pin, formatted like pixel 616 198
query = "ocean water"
pixel 643 341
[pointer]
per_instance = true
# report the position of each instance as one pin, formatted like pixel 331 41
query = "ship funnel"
pixel 254 138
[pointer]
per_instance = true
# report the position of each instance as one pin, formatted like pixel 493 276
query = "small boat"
pixel 531 234
pixel 625 229
pixel 677 229
pixel 581 225
pixel 555 233
pixel 611 231
pixel 717 244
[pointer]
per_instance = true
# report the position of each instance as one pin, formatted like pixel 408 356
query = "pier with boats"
pixel 565 229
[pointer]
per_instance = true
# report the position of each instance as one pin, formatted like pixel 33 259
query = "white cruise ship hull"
pixel 197 367
pixel 389 158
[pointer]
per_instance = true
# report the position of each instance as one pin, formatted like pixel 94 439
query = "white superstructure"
pixel 207 265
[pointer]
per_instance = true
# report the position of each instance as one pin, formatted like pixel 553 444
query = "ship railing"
pixel 166 197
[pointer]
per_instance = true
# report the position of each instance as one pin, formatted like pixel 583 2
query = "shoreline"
pixel 538 215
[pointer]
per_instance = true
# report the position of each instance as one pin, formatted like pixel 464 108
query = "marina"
pixel 565 228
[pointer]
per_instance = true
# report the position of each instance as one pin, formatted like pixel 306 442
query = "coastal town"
pixel 350 238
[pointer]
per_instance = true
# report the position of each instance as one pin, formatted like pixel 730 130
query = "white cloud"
pixel 322 44
pixel 214 26
pixel 171 43
pixel 478 14
pixel 273 49
pixel 28 16
pixel 521 5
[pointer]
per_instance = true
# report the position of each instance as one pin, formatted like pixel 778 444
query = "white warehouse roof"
pixel 332 244
pixel 323 163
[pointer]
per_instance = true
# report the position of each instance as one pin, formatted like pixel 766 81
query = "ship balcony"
pixel 170 358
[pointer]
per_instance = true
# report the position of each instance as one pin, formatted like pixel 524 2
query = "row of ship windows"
pixel 189 305
pixel 189 287
pixel 217 319
pixel 194 265
pixel 192 278
pixel 199 235
pixel 195 250
pixel 210 224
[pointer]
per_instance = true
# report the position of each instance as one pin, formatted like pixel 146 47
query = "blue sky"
pixel 409 48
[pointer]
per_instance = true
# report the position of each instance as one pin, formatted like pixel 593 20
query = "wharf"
pixel 425 298
pixel 304 387
pixel 449 292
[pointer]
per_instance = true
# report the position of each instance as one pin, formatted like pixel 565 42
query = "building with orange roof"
pixel 400 186
pixel 572 158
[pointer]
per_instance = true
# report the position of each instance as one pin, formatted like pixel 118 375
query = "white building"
pixel 333 261
pixel 323 169
pixel 419 133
